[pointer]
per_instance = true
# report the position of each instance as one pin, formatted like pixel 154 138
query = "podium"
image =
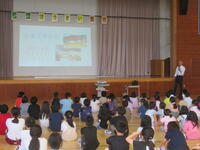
pixel 160 67
pixel 101 87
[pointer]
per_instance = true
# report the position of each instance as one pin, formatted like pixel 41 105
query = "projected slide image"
pixel 54 46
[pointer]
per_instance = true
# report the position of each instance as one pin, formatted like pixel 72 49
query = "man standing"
pixel 179 74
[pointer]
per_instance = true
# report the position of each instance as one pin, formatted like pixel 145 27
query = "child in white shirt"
pixel 25 134
pixel 14 126
pixel 68 128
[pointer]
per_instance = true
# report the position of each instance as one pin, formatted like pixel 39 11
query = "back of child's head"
pixel 55 140
pixel 94 97
pixel 68 95
pixel 24 99
pixel 144 95
pixel 83 95
pixel 55 108
pixel 121 126
pixel 148 134
pixel 56 94
pixel 76 100
pixel 133 94
pixel 184 91
pixel 162 105
pixel 172 126
pixel 152 105
pixel 103 93
pixel 35 132
pixel 45 109
pixel 167 112
pixel 4 109
pixel 192 116
pixel 30 122
pixel 167 94
pixel 20 94
pixel 184 110
pixel 146 121
pixel 121 111
pixel 87 102
pixel 187 94
pixel 173 101
pixel 112 95
pixel 15 113
pixel 110 98
pixel 69 116
pixel 34 100
pixel 89 121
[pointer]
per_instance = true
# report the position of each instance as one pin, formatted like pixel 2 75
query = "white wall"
pixel 165 29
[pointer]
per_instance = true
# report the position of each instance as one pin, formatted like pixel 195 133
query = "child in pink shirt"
pixel 191 127
pixel 167 118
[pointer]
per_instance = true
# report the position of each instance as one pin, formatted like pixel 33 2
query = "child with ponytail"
pixel 147 135
pixel 68 127
pixel 36 142
pixel 168 117
pixel 14 127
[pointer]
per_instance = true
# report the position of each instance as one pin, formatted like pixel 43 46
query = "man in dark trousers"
pixel 179 74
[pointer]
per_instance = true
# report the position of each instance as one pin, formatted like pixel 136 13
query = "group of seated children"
pixel 177 120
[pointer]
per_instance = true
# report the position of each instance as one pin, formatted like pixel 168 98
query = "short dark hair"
pixel 133 94
pixel 152 105
pixel 146 121
pixel 76 100
pixel 103 93
pixel 55 140
pixel 172 126
pixel 83 95
pixel 55 108
pixel 33 100
pixel 30 122
pixel 4 109
pixel 89 121
pixel 55 94
pixel 162 105
pixel 25 99
pixel 184 110
pixel 121 126
pixel 20 94
pixel 121 110
pixel 67 95
pixel 86 102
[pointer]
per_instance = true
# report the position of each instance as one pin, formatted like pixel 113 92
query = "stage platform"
pixel 43 87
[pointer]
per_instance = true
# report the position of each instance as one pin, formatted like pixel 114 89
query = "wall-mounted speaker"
pixel 183 7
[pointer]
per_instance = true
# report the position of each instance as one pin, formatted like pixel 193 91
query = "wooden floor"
pixel 133 125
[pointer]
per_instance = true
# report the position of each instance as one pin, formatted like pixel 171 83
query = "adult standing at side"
pixel 179 74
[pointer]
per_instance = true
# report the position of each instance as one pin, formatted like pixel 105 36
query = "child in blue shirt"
pixel 76 107
pixel 86 110
pixel 143 108
pixel 55 119
pixel 66 103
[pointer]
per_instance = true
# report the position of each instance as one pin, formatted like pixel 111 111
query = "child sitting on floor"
pixel 14 126
pixel 76 107
pixel 4 115
pixel 55 119
pixel 86 110
pixel 118 141
pixel 143 108
pixel 89 139
pixel 174 138
pixel 146 143
pixel 25 134
pixel 182 116
pixel 18 100
pixel 24 107
pixel 34 108
pixel 68 127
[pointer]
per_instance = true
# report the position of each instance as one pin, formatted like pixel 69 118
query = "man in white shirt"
pixel 179 74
